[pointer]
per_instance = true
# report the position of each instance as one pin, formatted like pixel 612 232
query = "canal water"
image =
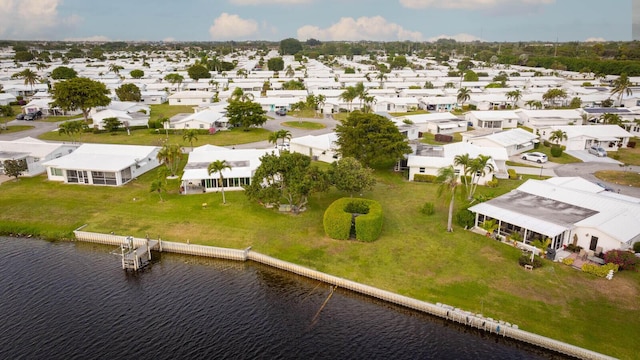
pixel 63 300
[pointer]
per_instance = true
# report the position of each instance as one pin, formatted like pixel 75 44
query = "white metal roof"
pixel 243 162
pixel 104 157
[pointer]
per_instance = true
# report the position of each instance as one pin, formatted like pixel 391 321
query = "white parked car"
pixel 535 156
pixel 597 151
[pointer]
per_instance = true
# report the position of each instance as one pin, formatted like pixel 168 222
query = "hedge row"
pixel 337 219
pixel 601 271
pixel 424 178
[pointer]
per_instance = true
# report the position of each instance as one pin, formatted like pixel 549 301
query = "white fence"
pixel 441 310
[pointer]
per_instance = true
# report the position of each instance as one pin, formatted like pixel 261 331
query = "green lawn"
pixel 564 159
pixel 626 178
pixel 165 110
pixel 415 256
pixel 16 128
pixel 429 138
pixel 415 112
pixel 629 156
pixel 307 125
pixel 61 118
pixel 304 113
pixel 159 137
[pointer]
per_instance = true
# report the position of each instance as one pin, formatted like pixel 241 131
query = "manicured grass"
pixel 159 137
pixel 630 156
pixel 429 138
pixel 304 113
pixel 626 178
pixel 16 128
pixel 340 116
pixel 415 112
pixel 60 118
pixel 307 125
pixel 521 164
pixel 564 159
pixel 165 110
pixel 415 256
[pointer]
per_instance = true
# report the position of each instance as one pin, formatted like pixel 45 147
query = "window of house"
pixel 422 170
pixel 201 126
pixel 56 172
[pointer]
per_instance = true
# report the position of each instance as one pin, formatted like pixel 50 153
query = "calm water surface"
pixel 73 301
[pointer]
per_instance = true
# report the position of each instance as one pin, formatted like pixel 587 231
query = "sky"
pixel 325 20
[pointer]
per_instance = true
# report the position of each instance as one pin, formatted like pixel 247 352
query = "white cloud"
pixel 462 37
pixel 363 28
pixel 95 38
pixel 268 2
pixel 29 19
pixel 595 39
pixel 232 27
pixel 169 39
pixel 470 4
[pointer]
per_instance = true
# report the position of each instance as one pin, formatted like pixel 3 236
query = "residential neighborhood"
pixel 536 159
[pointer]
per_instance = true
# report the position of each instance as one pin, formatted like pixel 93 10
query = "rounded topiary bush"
pixel 556 151
pixel 347 214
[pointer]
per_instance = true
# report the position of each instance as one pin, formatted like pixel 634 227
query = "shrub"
pixel 512 174
pixel 546 143
pixel 568 261
pixel 624 259
pixel 556 151
pixel 465 218
pixel 598 270
pixel 573 248
pixel 636 247
pixel 424 178
pixel 631 144
pixel 492 183
pixel 526 260
pixel 428 209
pixel 338 217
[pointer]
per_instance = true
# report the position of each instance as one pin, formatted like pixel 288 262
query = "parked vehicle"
pixel 33 115
pixel 535 156
pixel 604 186
pixel 20 117
pixel 597 151
pixel 281 112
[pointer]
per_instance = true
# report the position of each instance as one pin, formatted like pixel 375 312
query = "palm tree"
pixel 239 95
pixel 478 168
pixel 382 77
pixel 159 186
pixel 280 134
pixel 514 95
pixel 30 77
pixel 530 103
pixel 448 180
pixel 586 118
pixel 612 119
pixel 464 94
pixel 190 135
pixel 170 155
pixel 368 102
pixel 174 78
pixel 463 160
pixel 219 166
pixel 361 92
pixel 115 68
pixel 349 95
pixel 289 71
pixel 557 136
pixel 554 94
pixel 621 86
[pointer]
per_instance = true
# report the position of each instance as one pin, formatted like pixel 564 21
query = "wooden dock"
pixel 135 257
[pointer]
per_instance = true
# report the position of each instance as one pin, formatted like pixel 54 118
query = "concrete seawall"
pixel 440 310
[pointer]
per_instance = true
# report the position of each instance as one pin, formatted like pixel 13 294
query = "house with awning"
pixel 609 137
pixel 515 141
pixel 242 162
pixel 567 211
pixel 33 153
pixel 103 164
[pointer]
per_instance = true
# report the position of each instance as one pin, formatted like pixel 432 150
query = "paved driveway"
pixel 586 157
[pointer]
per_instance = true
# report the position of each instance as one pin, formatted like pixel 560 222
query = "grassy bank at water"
pixel 415 256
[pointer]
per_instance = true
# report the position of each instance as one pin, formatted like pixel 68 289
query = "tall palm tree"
pixel 280 134
pixel 478 168
pixel 530 103
pixel 464 160
pixel 448 180
pixel 218 167
pixel 612 119
pixel 115 68
pixel 464 95
pixel 361 92
pixel 586 118
pixel 348 95
pixel 382 76
pixel 289 71
pixel 29 76
pixel 554 94
pixel 368 103
pixel 170 155
pixel 190 135
pixel 514 95
pixel 621 86
pixel 557 136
